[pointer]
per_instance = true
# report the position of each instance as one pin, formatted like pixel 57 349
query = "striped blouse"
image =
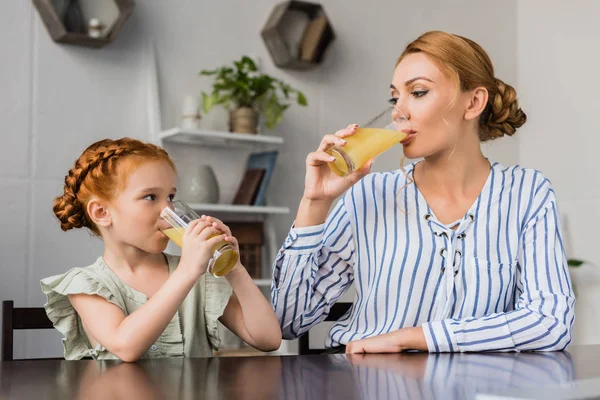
pixel 497 279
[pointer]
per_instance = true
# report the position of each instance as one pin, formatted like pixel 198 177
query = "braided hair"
pixel 96 173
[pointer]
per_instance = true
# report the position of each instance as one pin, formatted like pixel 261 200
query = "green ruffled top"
pixel 193 331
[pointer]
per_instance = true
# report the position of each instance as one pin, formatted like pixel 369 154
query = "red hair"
pixel 101 171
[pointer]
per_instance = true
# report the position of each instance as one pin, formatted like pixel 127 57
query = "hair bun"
pixel 505 115
pixel 69 211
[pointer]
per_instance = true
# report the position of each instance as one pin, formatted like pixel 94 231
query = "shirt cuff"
pixel 440 337
pixel 304 240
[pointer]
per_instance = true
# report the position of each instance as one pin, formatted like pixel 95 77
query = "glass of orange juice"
pixel 179 215
pixel 380 133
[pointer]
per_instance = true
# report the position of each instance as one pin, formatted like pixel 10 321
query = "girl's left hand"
pixel 218 224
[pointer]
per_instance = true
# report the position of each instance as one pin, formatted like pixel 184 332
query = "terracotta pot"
pixel 243 120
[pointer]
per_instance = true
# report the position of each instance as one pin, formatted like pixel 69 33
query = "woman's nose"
pixel 398 114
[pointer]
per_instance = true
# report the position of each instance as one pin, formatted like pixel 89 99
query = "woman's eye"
pixel 393 101
pixel 419 93
pixel 150 197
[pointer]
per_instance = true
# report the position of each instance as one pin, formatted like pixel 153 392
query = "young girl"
pixel 135 301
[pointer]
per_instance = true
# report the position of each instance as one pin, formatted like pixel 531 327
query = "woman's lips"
pixel 410 135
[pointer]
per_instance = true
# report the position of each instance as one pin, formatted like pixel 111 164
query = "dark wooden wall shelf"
pixel 300 43
pixel 59 33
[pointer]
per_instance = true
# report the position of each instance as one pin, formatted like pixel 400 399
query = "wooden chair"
pixel 20 318
pixel 336 312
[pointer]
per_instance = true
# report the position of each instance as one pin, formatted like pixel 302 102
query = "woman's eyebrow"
pixel 408 82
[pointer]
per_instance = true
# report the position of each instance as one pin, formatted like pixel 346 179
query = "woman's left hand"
pixel 393 342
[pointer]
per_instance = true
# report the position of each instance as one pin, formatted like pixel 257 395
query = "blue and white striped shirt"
pixel 498 281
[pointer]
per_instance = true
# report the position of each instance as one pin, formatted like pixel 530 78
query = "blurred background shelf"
pixel 216 138
pixel 241 209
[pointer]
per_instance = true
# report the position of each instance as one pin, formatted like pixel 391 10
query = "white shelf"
pixel 262 282
pixel 234 208
pixel 216 138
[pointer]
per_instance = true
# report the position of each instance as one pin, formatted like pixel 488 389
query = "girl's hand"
pixel 221 227
pixel 197 245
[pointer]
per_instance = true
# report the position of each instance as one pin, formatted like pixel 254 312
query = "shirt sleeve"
pixel 313 269
pixel 543 315
pixel 57 288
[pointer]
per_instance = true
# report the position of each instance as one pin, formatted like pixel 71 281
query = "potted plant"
pixel 246 93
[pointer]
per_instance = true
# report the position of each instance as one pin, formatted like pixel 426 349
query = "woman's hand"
pixel 198 240
pixel 322 184
pixel 393 342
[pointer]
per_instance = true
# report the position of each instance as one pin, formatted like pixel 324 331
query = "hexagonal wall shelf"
pixel 91 23
pixel 297 34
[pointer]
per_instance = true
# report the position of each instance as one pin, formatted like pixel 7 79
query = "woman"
pixel 455 254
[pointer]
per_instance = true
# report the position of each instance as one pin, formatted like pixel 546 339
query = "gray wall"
pixel 559 84
pixel 58 99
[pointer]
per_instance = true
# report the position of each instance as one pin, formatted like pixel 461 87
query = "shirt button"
pixel 153 347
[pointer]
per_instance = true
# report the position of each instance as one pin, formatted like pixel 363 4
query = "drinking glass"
pixel 179 215
pixel 379 134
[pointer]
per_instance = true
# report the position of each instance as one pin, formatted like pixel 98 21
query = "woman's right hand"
pixel 197 245
pixel 321 183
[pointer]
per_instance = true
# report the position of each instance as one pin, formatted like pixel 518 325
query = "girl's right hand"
pixel 321 183
pixel 197 245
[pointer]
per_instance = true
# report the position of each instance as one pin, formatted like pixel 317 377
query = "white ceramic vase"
pixel 198 185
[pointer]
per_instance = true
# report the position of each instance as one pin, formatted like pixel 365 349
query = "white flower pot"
pixel 198 185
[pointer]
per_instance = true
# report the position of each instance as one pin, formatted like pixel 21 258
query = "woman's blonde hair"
pixel 469 66
pixel 101 171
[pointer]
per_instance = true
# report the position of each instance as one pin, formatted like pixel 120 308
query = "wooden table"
pixel 394 376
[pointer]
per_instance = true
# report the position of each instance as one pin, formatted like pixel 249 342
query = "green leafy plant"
pixel 573 262
pixel 243 86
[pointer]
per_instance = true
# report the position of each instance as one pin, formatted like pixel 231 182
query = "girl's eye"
pixel 393 101
pixel 150 197
pixel 419 93
pixel 171 198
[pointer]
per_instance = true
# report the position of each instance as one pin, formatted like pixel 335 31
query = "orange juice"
pixel 223 264
pixel 226 257
pixel 365 144
pixel 176 235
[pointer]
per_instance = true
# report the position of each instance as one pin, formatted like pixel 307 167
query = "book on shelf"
pixel 249 186
pixel 264 160
pixel 313 35
pixel 250 237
